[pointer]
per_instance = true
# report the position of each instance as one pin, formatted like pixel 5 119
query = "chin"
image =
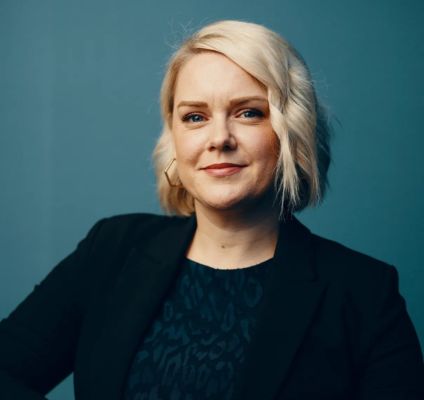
pixel 223 203
pixel 230 197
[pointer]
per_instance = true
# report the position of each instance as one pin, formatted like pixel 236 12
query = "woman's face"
pixel 225 146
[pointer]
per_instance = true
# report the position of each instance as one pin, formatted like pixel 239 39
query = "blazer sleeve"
pixel 38 339
pixel 394 368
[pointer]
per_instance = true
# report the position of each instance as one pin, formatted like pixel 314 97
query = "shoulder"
pixel 133 223
pixel 128 229
pixel 364 288
pixel 358 275
pixel 362 285
pixel 110 240
pixel 333 258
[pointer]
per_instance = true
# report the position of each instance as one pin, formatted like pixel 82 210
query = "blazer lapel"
pixel 149 272
pixel 291 297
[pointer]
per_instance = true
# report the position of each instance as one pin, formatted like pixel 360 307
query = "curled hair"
pixel 298 118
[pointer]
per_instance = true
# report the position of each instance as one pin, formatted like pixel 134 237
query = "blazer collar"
pixel 291 296
pixel 170 243
pixel 293 246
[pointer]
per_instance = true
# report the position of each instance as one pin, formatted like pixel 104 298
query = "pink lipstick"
pixel 224 169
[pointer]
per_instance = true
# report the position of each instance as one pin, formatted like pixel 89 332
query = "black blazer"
pixel 332 326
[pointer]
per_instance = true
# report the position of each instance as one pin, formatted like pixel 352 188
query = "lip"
pixel 223 169
pixel 223 165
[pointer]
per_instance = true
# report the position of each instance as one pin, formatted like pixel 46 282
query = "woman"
pixel 232 298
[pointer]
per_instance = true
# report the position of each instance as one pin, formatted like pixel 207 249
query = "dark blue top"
pixel 196 344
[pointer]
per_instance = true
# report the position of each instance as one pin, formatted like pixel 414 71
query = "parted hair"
pixel 298 118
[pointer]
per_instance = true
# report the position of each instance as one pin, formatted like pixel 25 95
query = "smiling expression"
pixel 225 146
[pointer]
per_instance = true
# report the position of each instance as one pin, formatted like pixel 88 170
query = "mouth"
pixel 224 169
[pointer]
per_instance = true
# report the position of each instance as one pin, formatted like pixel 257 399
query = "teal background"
pixel 79 116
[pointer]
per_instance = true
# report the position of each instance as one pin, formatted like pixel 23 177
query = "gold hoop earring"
pixel 167 177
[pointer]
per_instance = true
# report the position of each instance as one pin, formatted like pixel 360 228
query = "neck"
pixel 228 239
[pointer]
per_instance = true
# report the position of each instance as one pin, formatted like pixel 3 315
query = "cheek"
pixel 267 155
pixel 187 150
pixel 266 149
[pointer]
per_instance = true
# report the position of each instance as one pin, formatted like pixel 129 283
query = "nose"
pixel 221 137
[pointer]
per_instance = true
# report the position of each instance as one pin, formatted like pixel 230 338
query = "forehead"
pixel 213 75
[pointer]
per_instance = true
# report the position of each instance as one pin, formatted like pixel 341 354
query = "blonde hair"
pixel 297 117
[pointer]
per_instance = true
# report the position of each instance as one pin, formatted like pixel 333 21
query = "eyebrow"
pixel 233 102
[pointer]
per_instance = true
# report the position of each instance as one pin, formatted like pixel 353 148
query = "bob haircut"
pixel 298 119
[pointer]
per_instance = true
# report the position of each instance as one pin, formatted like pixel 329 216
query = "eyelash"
pixel 258 113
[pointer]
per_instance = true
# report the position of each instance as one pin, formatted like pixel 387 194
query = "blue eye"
pixel 193 118
pixel 252 113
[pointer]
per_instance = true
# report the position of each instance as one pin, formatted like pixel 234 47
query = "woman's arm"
pixel 394 368
pixel 39 338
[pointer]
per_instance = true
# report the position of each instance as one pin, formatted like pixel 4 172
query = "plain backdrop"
pixel 79 117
